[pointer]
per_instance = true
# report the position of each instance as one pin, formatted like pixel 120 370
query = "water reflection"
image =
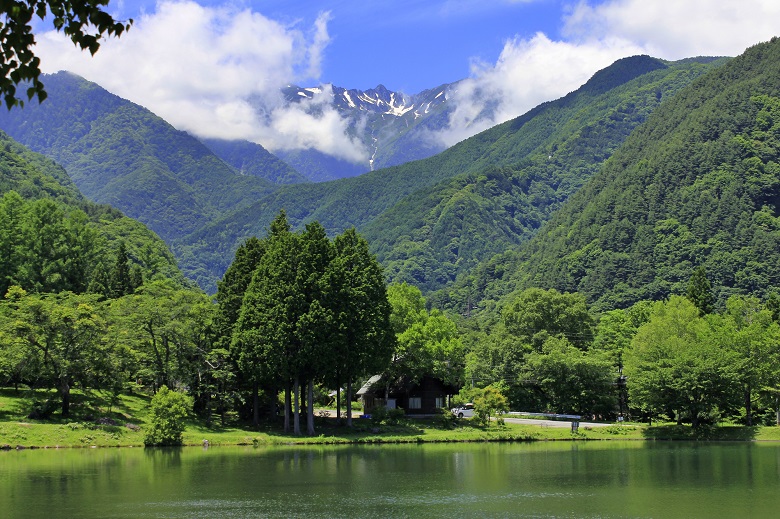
pixel 556 479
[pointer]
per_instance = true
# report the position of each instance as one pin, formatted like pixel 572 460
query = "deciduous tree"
pixel 537 314
pixel 571 380
pixel 84 22
pixel 63 336
pixel 678 366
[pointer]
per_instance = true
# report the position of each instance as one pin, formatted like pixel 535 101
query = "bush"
pixel 169 410
pixel 445 418
pixel 381 415
pixel 491 402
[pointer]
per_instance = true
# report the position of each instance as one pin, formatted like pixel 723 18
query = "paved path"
pixel 552 423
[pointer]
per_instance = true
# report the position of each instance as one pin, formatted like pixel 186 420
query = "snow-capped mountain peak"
pixel 377 100
pixel 393 127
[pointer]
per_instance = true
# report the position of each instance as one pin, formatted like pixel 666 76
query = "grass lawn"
pixel 99 420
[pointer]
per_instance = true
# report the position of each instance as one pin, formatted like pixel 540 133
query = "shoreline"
pixel 21 436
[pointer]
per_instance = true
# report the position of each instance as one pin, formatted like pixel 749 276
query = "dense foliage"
pixel 81 285
pixel 439 233
pixel 427 343
pixel 52 239
pixel 656 360
pixel 509 180
pixel 697 185
pixel 314 311
pixel 85 23
pixel 169 409
pixel 120 153
pixel 248 158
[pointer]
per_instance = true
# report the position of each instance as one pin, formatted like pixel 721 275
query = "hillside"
pixel 697 184
pixel 434 235
pixel 120 153
pixel 249 158
pixel 358 201
pixel 35 249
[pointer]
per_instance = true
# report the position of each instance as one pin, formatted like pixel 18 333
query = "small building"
pixel 424 397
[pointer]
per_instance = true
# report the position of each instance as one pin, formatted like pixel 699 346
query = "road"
pixel 552 423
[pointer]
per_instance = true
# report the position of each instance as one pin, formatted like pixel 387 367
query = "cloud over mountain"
pixel 527 73
pixel 207 70
pixel 595 34
pixel 217 71
pixel 672 29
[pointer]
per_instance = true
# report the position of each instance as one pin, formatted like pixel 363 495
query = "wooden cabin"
pixel 424 397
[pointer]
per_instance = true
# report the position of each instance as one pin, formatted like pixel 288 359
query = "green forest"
pixel 612 254
pixel 691 187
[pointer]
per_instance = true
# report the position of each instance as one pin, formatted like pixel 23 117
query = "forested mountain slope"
pixel 697 184
pixel 52 238
pixel 249 158
pixel 122 154
pixel 358 201
pixel 436 234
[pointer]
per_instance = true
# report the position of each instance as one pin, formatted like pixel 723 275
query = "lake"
pixel 542 480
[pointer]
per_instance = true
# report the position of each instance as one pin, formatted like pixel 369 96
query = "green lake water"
pixel 544 480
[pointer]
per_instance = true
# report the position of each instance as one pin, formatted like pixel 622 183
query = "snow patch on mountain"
pixel 391 127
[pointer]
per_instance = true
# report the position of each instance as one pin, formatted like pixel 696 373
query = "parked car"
pixel 463 411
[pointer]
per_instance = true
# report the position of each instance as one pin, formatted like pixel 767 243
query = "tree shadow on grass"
pixel 702 433
pixel 16 405
pixel 332 427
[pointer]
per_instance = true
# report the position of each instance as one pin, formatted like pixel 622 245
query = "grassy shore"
pixel 98 420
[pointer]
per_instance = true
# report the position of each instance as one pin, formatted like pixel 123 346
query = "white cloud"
pixel 207 70
pixel 531 71
pixel 198 68
pixel 527 73
pixel 674 29
pixel 313 124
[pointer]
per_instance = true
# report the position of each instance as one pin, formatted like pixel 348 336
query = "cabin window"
pixel 415 402
pixel 439 401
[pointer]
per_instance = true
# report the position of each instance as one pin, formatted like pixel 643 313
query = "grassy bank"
pixel 98 420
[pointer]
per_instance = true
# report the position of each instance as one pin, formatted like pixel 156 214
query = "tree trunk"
pixel 310 410
pixel 287 408
pixel 273 410
pixel 296 409
pixel 349 403
pixel 303 406
pixel 748 406
pixel 338 401
pixel 777 409
pixel 166 379
pixel 65 396
pixel 694 418
pixel 255 404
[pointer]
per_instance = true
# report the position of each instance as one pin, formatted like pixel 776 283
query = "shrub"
pixel 491 402
pixel 381 415
pixel 169 410
pixel 445 418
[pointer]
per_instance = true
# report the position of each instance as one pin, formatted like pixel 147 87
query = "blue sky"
pixel 407 45
pixel 214 68
pixel 412 45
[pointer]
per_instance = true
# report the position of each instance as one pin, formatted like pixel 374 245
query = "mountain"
pixel 392 127
pixel 697 185
pixel 120 153
pixel 99 229
pixel 249 158
pixel 587 125
pixel 437 234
